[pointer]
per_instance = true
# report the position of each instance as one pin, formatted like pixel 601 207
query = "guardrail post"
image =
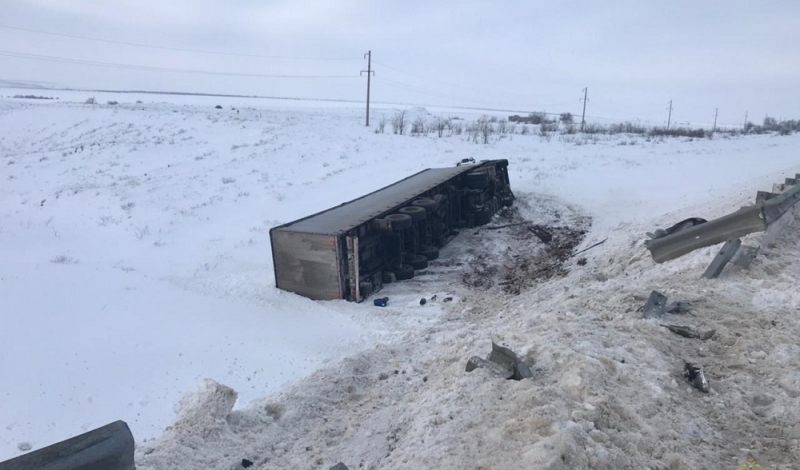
pixel 745 255
pixel 762 196
pixel 722 259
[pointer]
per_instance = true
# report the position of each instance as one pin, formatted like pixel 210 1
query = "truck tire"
pixel 403 272
pixel 477 180
pixel 483 216
pixel 415 212
pixel 399 221
pixel 417 261
pixel 429 205
pixel 430 252
pixel 502 163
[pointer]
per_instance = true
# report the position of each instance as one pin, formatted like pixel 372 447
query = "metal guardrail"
pixel 756 218
pixel 106 448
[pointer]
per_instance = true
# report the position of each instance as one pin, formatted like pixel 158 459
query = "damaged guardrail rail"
pixel 769 207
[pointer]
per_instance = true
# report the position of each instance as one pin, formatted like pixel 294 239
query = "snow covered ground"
pixel 135 262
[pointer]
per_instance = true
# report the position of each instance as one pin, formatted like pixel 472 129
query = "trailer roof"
pixel 348 215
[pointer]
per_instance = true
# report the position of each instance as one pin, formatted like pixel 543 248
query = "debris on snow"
pixel 506 357
pixel 679 307
pixel 689 332
pixel 382 302
pixel 502 361
pixel 655 306
pixel 476 362
pixel 339 466
pixel 694 373
pixel 542 233
pixel 247 463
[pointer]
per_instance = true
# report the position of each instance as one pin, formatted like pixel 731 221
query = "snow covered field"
pixel 135 262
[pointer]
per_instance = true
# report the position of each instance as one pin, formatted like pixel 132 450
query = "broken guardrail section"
pixel 106 448
pixel 769 207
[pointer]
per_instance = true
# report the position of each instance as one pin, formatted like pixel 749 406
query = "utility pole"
pixel 583 117
pixel 714 129
pixel 744 127
pixel 669 119
pixel 369 73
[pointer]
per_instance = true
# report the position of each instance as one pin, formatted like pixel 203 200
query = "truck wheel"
pixel 417 261
pixel 403 272
pixel 483 216
pixel 429 205
pixel 415 212
pixel 399 221
pixel 430 252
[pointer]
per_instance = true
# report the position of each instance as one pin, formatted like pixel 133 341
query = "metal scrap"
pixel 679 307
pixel 689 332
pixel 656 305
pixel 502 361
pixel 694 373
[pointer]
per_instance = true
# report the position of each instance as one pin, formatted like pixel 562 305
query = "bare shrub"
pixel 537 118
pixel 399 122
pixel 457 128
pixel 228 180
pixel 381 124
pixel 63 259
pixel 566 118
pixel 440 125
pixel 485 129
pixel 107 219
pixel 90 100
pixel 525 130
pixel 112 103
pixel 502 126
pixel 141 232
pixel 418 126
pixel 544 132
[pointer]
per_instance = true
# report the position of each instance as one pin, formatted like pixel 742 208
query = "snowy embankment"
pixel 135 261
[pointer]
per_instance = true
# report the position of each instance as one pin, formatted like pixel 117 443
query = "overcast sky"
pixel 634 56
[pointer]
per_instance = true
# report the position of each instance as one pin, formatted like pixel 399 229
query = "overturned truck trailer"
pixel 350 251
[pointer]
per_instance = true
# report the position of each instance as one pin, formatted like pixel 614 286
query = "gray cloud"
pixel 634 56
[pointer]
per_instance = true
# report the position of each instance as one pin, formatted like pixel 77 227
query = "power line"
pixel 67 60
pixel 167 48
pixel 424 91
pixel 453 85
